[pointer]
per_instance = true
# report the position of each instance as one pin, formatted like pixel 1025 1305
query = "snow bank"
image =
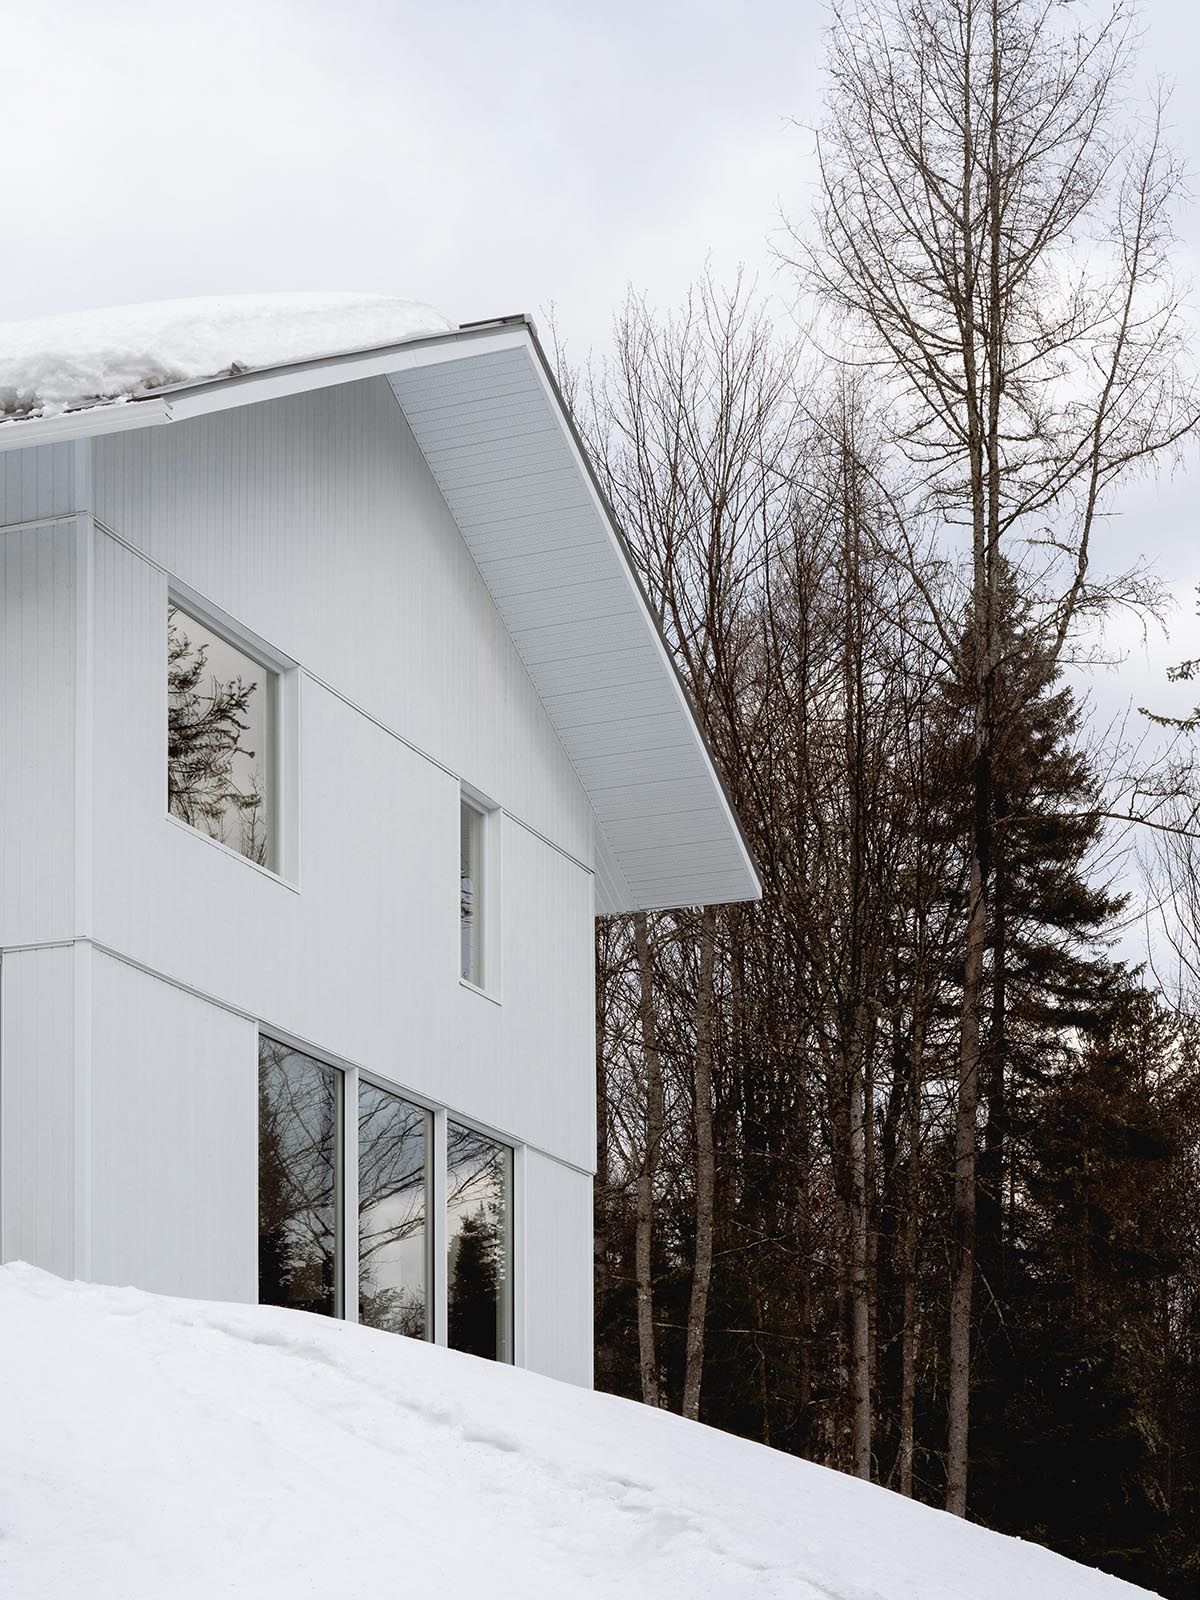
pixel 156 1449
pixel 88 358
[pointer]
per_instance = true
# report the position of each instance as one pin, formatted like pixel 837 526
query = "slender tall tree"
pixel 995 236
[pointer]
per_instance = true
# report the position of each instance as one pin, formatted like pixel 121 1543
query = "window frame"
pixel 285 752
pixel 514 1212
pixel 489 814
pixel 437 1285
pixel 374 1080
pixel 341 1158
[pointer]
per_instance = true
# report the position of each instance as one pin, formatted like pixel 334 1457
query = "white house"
pixel 331 714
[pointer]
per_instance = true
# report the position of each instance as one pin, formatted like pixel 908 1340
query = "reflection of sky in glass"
pixel 251 770
pixel 392 1176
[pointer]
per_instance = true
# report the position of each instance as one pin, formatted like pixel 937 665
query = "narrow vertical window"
pixel 298 1180
pixel 393 1164
pixel 471 906
pixel 222 711
pixel 479 1235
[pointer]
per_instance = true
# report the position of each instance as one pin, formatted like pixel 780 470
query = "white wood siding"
pixel 38 596
pixel 315 521
pixel 127 1063
pixel 362 962
pixel 558 1252
pixel 173 1159
pixel 38 482
pixel 38 1108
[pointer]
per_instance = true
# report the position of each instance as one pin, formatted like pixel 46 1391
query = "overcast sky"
pixel 487 158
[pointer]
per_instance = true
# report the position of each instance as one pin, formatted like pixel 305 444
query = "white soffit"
pixel 505 457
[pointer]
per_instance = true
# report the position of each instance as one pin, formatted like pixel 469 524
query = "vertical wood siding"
pixel 37 1108
pixel 315 521
pixel 363 961
pixel 39 482
pixel 37 732
pixel 173 1148
pixel 558 1254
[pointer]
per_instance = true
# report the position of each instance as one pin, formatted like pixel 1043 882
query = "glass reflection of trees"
pixel 471 881
pixel 392 1206
pixel 220 737
pixel 297 1180
pixel 299 1183
pixel 479 1226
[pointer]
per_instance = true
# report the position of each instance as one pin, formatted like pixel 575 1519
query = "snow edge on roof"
pixel 90 359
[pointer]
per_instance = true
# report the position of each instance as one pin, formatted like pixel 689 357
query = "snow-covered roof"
pixel 54 364
pixel 180 1450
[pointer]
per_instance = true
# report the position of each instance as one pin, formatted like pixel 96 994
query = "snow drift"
pixel 54 364
pixel 159 1449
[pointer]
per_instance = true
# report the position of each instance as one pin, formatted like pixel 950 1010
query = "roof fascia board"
pixel 329 372
pixel 116 418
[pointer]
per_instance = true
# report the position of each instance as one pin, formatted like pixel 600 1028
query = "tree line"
pixel 898 1167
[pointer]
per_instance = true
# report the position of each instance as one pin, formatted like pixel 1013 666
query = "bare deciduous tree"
pixel 996 237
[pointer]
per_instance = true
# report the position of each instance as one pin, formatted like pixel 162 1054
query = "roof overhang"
pixel 486 411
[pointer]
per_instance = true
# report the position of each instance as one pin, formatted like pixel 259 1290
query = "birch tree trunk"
pixel 652 1143
pixel 909 1331
pixel 860 1289
pixel 962 1270
pixel 705 1166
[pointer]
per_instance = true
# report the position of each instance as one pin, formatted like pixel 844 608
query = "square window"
pixel 222 739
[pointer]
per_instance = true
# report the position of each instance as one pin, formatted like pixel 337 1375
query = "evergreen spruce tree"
pixel 473 1287
pixel 1077 1444
pixel 205 729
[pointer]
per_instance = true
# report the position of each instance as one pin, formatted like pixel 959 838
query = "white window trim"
pixel 517 1250
pixel 516 1230
pixel 378 1081
pixel 287 735
pixel 348 1208
pixel 439 1233
pixel 342 1210
pixel 234 855
pixel 490 922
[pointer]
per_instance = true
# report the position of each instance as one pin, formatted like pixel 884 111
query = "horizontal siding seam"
pixel 271 1028
pixel 40 522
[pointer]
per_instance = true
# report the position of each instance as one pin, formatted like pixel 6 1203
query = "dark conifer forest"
pixel 899 1168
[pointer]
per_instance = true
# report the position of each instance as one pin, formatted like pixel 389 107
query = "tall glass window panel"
pixel 471 897
pixel 393 1208
pixel 222 709
pixel 479 1234
pixel 298 1180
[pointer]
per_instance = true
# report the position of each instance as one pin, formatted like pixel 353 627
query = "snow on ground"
pixel 53 364
pixel 159 1449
